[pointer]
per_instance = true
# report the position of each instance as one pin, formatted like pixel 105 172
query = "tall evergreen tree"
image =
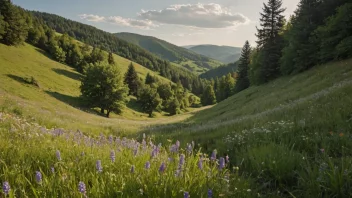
pixel 208 97
pixel 16 29
pixel 242 81
pixel 270 42
pixel 131 79
pixel 2 26
pixel 111 59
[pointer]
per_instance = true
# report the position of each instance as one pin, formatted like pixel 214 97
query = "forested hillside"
pixel 181 56
pixel 109 42
pixel 220 71
pixel 225 54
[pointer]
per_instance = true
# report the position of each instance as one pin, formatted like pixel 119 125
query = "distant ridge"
pixel 225 54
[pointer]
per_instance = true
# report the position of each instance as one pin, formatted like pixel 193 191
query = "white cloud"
pixel 195 15
pixel 117 20
pixel 91 17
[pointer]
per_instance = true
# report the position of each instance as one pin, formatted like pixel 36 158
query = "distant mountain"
pixel 220 71
pixel 188 46
pixel 180 56
pixel 225 54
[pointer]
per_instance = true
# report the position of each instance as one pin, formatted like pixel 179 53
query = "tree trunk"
pixel 108 114
pixel 150 114
pixel 102 111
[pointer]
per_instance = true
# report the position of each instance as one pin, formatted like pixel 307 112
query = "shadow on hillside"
pixel 134 105
pixel 75 102
pixel 69 74
pixel 17 78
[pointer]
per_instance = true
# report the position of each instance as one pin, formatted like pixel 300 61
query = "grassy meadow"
pixel 289 138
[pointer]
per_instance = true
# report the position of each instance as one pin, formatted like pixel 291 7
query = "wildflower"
pixel 38 176
pixel 99 167
pixel 189 148
pixel 341 134
pixel 132 169
pixel 322 150
pixel 162 167
pixel 135 152
pixel 221 163
pixel 200 164
pixel 186 195
pixel 210 193
pixel 249 190
pixel 143 135
pixel 147 165
pixel 82 187
pixel 112 156
pixel 6 187
pixel 52 169
pixel 213 155
pixel 58 155
pixel 182 160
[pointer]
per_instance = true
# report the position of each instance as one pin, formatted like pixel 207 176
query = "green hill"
pixel 56 101
pixel 188 59
pixel 225 54
pixel 220 71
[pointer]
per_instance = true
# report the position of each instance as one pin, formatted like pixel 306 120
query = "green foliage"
pixel 131 79
pixel 14 27
pixel 336 35
pixel 149 99
pixel 173 106
pixel 224 87
pixel 2 26
pixel 165 92
pixel 208 97
pixel 103 87
pixel 242 81
pixel 220 71
pixel 111 60
pixel 149 79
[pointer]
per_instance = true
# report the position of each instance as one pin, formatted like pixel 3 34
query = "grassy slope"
pixel 56 102
pixel 290 98
pixel 178 55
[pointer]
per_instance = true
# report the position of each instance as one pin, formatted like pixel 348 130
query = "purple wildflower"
pixel 210 193
pixel 173 148
pixel 111 139
pixel 82 187
pixel 112 156
pixel 162 167
pixel 132 169
pixel 182 160
pixel 99 167
pixel 52 169
pixel 186 195
pixel 200 164
pixel 38 176
pixel 58 155
pixel 221 163
pixel 147 165
pixel 213 155
pixel 135 152
pixel 322 150
pixel 6 187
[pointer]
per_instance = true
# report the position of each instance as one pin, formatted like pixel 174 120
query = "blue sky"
pixel 182 22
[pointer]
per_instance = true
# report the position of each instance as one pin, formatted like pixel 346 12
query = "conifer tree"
pixel 111 59
pixel 270 43
pixel 15 28
pixel 242 81
pixel 131 79
pixel 208 97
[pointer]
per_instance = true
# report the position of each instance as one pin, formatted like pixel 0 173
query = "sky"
pixel 181 22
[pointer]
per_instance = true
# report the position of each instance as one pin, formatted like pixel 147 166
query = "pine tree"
pixel 111 59
pixel 270 43
pixel 208 97
pixel 15 28
pixel 242 80
pixel 131 79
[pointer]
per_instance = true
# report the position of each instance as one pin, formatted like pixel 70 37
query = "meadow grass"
pixel 291 136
